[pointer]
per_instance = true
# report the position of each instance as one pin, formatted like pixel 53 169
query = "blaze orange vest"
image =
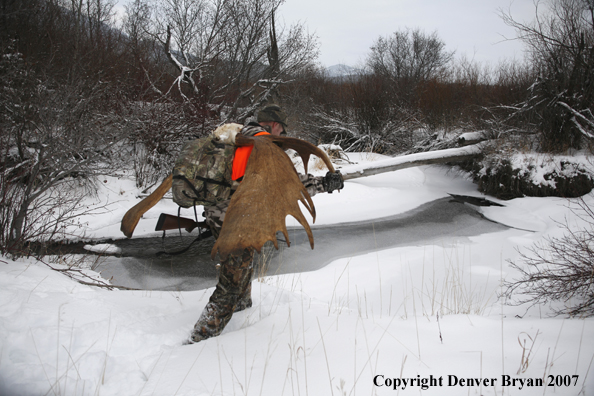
pixel 242 154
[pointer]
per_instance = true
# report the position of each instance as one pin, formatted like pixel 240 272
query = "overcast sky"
pixel 347 28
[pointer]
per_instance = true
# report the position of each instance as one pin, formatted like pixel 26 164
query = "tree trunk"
pixel 17 225
pixel 418 159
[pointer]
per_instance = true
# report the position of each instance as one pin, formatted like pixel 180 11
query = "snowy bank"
pixel 410 320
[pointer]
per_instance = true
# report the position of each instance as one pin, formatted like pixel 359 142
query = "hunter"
pixel 233 290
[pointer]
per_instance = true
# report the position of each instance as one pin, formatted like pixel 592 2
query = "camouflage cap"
pixel 272 113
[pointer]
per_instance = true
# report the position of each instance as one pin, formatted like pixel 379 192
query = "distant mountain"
pixel 341 70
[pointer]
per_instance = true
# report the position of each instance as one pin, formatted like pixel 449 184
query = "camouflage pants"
pixel 233 290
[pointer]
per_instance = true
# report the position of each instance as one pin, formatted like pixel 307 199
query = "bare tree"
pixel 229 56
pixel 145 52
pixel 409 57
pixel 560 102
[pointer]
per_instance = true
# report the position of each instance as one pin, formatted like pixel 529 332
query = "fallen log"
pixel 411 160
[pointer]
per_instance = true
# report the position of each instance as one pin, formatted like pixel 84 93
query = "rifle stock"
pixel 170 222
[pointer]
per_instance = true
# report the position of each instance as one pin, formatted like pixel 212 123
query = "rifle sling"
pixel 202 235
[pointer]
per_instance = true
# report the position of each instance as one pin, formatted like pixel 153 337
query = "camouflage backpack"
pixel 202 173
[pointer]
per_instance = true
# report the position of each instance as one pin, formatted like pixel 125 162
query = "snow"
pixel 472 136
pixel 103 248
pixel 541 165
pixel 421 319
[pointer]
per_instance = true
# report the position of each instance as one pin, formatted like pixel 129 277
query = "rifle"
pixel 170 222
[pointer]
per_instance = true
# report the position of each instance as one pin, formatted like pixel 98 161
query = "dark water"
pixel 442 220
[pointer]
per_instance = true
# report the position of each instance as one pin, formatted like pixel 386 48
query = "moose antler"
pixel 132 216
pixel 270 191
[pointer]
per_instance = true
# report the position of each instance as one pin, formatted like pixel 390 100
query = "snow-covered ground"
pixel 411 320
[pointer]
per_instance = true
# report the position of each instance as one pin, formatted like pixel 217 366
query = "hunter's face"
pixel 276 128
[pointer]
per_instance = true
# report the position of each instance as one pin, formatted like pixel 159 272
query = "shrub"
pixel 559 269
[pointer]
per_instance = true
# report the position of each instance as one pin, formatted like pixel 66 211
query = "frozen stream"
pixel 442 221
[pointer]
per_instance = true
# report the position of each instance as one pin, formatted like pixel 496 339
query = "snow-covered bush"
pixel 518 175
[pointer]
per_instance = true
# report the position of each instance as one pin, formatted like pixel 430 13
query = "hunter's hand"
pixel 333 181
